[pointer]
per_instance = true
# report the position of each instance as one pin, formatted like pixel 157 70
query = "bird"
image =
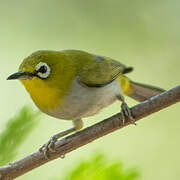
pixel 74 84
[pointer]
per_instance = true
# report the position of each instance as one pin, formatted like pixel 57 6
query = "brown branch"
pixel 89 134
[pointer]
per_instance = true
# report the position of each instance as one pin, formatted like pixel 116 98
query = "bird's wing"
pixel 101 71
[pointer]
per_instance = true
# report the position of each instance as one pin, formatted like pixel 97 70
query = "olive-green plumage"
pixel 91 69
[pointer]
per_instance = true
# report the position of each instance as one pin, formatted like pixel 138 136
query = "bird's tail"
pixel 138 91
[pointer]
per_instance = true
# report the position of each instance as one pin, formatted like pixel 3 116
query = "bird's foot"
pixel 48 147
pixel 126 113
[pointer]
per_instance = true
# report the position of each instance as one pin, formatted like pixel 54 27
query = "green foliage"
pixel 99 168
pixel 15 132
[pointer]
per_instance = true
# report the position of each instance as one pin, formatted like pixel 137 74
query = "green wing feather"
pixel 93 70
pixel 100 71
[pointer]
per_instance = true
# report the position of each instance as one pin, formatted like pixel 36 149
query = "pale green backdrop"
pixel 142 34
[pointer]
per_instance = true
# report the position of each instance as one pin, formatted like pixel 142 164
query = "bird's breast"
pixel 82 101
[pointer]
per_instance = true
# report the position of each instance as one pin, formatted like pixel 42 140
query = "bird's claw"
pixel 48 147
pixel 126 113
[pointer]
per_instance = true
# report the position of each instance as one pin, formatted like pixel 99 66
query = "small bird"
pixel 73 84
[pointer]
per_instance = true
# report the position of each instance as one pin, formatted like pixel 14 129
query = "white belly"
pixel 84 101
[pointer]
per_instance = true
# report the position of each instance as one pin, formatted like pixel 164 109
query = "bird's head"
pixel 46 75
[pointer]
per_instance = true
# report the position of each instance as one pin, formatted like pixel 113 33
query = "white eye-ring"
pixel 43 70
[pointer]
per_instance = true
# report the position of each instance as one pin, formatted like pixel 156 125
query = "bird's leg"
pixel 125 111
pixel 50 145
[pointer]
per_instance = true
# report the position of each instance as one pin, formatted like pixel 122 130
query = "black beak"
pixel 20 75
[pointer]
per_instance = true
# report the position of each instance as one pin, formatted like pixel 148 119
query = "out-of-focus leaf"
pixel 15 132
pixel 99 168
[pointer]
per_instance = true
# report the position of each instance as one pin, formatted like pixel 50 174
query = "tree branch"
pixel 89 134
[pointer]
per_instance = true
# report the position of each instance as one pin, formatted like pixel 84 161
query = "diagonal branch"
pixel 90 134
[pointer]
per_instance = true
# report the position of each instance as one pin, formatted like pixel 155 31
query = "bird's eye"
pixel 43 70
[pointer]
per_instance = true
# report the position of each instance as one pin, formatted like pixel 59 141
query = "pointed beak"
pixel 20 75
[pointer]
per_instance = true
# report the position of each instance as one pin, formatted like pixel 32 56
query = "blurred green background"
pixel 142 34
